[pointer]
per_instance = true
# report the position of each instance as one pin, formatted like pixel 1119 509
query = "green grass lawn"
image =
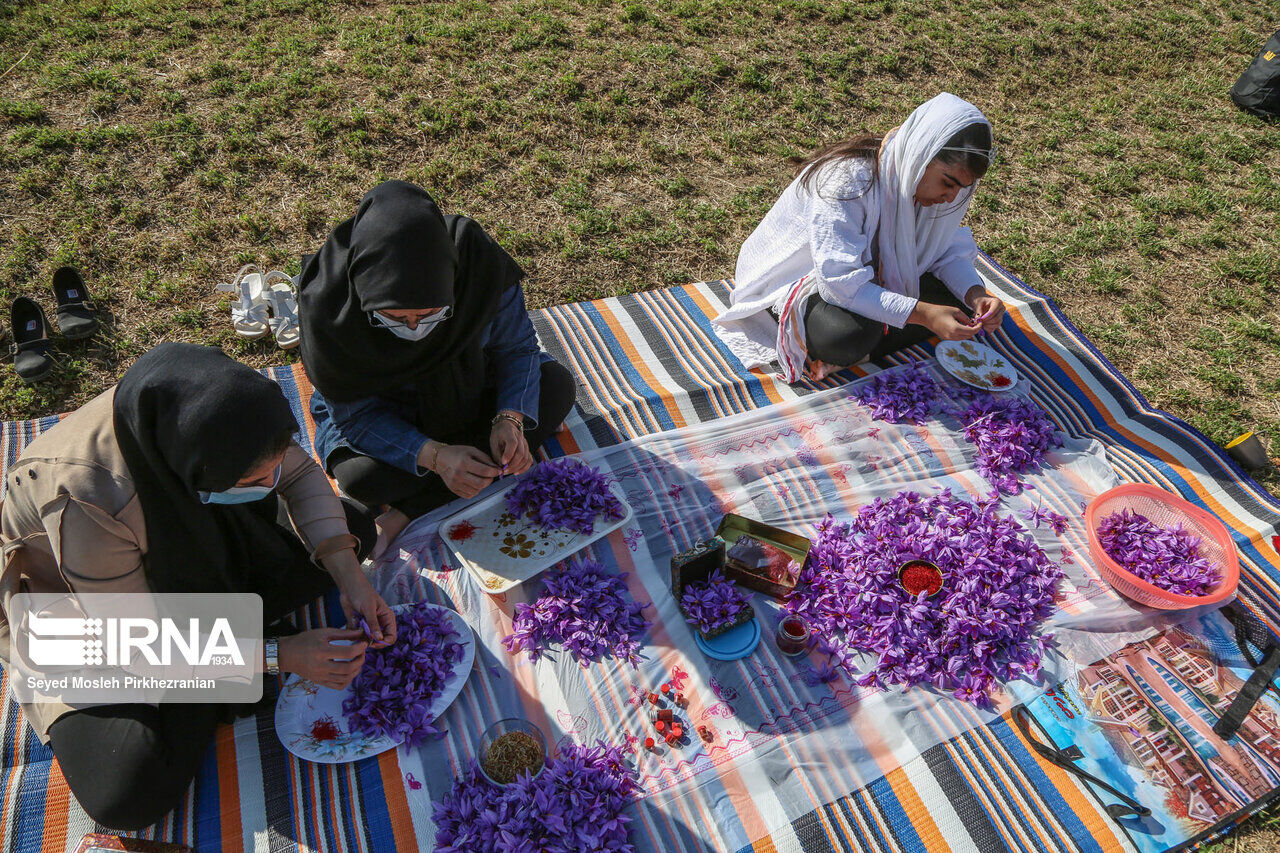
pixel 620 146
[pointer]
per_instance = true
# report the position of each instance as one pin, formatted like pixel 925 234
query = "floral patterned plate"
pixel 977 365
pixel 311 725
pixel 501 551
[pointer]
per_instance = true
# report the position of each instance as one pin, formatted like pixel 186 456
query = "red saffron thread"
pixel 325 729
pixel 1002 381
pixel 918 577
pixel 462 531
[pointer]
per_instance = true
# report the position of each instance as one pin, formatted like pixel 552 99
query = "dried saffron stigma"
pixel 325 729
pixel 1002 381
pixel 462 531
pixel 920 576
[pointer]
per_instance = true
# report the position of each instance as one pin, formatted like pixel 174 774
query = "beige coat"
pixel 72 520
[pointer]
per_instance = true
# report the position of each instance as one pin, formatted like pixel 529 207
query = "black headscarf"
pixel 188 419
pixel 399 251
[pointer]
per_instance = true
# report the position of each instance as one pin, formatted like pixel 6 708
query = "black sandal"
pixel 75 310
pixel 31 342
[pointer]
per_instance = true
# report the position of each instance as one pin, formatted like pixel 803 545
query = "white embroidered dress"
pixel 819 241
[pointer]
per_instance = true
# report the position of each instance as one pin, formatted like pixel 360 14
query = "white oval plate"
pixel 977 365
pixel 301 704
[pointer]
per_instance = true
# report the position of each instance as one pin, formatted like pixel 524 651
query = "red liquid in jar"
pixel 792 634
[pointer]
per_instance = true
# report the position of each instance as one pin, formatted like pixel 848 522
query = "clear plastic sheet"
pixel 782 742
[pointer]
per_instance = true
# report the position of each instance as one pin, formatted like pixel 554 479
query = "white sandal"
pixel 283 300
pixel 249 315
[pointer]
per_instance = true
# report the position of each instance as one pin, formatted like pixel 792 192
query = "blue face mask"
pixel 240 494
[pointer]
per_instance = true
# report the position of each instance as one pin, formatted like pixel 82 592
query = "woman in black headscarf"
pixel 428 376
pixel 184 478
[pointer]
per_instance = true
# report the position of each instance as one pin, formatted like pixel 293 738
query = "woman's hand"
pixel 510 447
pixel 360 600
pixel 465 470
pixel 312 655
pixel 949 324
pixel 988 310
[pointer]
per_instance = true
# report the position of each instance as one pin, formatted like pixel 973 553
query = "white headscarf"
pixel 918 237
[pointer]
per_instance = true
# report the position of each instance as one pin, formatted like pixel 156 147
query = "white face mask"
pixel 400 330
pixel 241 494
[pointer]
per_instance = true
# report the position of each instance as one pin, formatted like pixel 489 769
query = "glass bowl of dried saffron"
pixel 510 748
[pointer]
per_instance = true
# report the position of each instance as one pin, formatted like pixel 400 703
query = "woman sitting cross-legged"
pixel 183 478
pixel 863 254
pixel 428 375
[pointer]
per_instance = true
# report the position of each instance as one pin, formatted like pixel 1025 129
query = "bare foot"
pixel 390 525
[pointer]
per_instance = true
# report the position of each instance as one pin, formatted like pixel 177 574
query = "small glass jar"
pixel 793 636
pixel 491 747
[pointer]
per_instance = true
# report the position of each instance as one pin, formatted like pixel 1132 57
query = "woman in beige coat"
pixel 182 478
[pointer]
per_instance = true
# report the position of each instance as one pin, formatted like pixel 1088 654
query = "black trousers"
pixel 130 765
pixel 842 338
pixel 374 482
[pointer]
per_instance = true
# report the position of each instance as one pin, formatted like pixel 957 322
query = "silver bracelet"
pixel 271 650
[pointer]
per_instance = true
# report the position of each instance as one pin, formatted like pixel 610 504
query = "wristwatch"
pixel 271 649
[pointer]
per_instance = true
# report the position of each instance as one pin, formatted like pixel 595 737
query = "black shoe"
pixel 31 343
pixel 75 310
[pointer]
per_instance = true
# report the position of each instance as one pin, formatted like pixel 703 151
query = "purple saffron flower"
pixel 1167 557
pixel 397 684
pixel 1042 516
pixel 584 609
pixel 564 494
pixel 576 803
pixel 899 395
pixel 978 631
pixel 1011 436
pixel 713 604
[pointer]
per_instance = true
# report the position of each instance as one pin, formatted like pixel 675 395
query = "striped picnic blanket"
pixel 648 363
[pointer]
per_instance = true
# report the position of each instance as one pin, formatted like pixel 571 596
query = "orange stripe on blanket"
pixel 57 806
pixel 1088 812
pixel 397 801
pixel 1192 479
pixel 614 397
pixel 706 307
pixel 229 791
pixel 640 366
pixel 764 845
pixel 917 812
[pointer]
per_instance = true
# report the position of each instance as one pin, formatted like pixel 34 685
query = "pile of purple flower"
pixel 900 395
pixel 1167 557
pixel 397 684
pixel 564 494
pixel 575 804
pixel 979 630
pixel 714 604
pixel 1042 516
pixel 1011 435
pixel 584 609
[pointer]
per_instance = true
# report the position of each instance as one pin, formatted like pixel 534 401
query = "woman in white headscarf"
pixel 864 253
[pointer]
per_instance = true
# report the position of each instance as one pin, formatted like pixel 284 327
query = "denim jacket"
pixel 382 427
